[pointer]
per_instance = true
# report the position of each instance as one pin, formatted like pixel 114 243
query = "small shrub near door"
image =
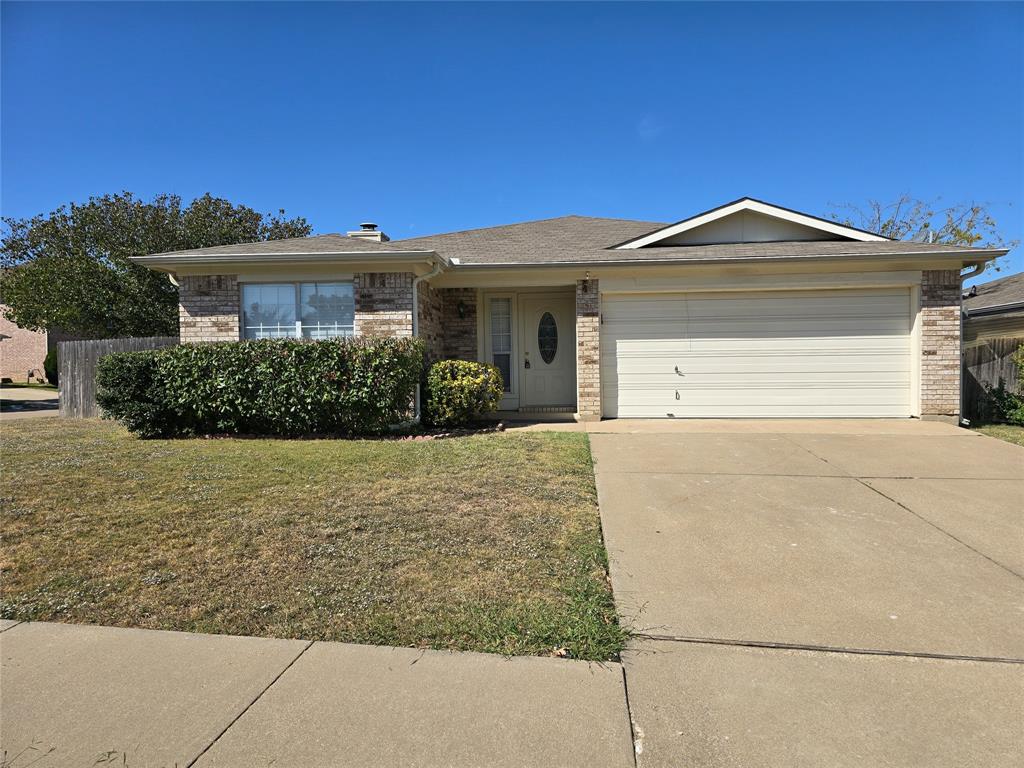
pixel 271 387
pixel 459 391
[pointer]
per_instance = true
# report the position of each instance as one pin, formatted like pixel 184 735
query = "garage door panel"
pixel 670 350
pixel 814 354
pixel 796 380
pixel 749 411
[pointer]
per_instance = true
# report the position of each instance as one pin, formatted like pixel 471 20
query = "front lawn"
pixel 487 543
pixel 1011 433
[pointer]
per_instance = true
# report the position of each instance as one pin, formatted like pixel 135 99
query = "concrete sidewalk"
pixel 75 695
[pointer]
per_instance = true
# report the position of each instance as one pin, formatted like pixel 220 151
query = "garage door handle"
pixel 678 372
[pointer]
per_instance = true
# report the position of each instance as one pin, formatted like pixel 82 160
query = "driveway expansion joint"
pixel 940 529
pixel 248 706
pixel 635 739
pixel 772 645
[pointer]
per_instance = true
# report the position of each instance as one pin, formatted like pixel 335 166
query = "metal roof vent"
pixel 368 231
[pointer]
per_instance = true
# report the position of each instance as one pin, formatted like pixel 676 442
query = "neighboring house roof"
pixel 1005 294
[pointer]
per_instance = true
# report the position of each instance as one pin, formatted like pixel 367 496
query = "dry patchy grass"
pixel 488 543
pixel 1011 433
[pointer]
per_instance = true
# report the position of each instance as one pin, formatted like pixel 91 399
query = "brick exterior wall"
pixel 21 351
pixel 588 350
pixel 460 342
pixel 208 308
pixel 940 344
pixel 383 304
pixel 447 335
pixel 431 320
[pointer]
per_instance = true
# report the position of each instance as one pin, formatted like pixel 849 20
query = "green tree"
pixel 71 268
pixel 908 218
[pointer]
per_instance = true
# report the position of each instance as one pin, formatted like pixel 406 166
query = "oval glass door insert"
pixel 547 337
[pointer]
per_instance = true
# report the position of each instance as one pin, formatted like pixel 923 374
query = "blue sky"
pixel 436 117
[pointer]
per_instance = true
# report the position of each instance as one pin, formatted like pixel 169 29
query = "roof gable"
pixel 749 221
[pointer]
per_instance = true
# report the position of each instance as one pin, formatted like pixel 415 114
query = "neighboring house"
pixel 21 351
pixel 993 323
pixel 746 310
pixel 994 310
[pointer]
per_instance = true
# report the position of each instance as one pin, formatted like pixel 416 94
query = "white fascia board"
pixel 170 263
pixel 748 204
pixel 967 256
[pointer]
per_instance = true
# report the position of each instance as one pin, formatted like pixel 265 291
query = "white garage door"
pixel 774 353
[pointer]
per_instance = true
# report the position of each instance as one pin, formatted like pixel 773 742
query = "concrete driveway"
pixel 818 593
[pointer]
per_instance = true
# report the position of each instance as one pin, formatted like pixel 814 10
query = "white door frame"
pixel 511 400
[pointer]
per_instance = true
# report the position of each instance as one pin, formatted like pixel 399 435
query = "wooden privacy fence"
pixel 985 365
pixel 76 370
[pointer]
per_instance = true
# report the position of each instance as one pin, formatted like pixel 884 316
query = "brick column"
pixel 383 304
pixel 208 308
pixel 940 344
pixel 588 350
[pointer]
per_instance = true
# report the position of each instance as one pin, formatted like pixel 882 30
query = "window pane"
pixel 501 338
pixel 547 337
pixel 268 310
pixel 504 363
pixel 327 310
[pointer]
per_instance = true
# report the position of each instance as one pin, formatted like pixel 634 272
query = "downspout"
pixel 173 278
pixel 416 322
pixel 976 270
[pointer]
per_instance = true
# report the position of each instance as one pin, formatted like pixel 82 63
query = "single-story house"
pixel 745 310
pixel 994 310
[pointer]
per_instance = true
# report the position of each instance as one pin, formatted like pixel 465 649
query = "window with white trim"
pixel 297 310
pixel 501 338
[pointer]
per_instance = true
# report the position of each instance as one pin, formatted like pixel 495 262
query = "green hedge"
pixel 272 387
pixel 459 391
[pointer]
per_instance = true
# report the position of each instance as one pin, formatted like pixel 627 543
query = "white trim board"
pixel 746 204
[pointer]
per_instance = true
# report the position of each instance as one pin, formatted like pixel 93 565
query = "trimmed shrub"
pixel 280 387
pixel 459 391
pixel 128 389
pixel 50 366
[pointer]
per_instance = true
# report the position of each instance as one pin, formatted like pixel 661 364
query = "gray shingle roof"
pixel 566 238
pixel 1006 290
pixel 563 240
pixel 330 243
pixel 582 239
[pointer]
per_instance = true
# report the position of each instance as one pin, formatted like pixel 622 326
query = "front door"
pixel 547 368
